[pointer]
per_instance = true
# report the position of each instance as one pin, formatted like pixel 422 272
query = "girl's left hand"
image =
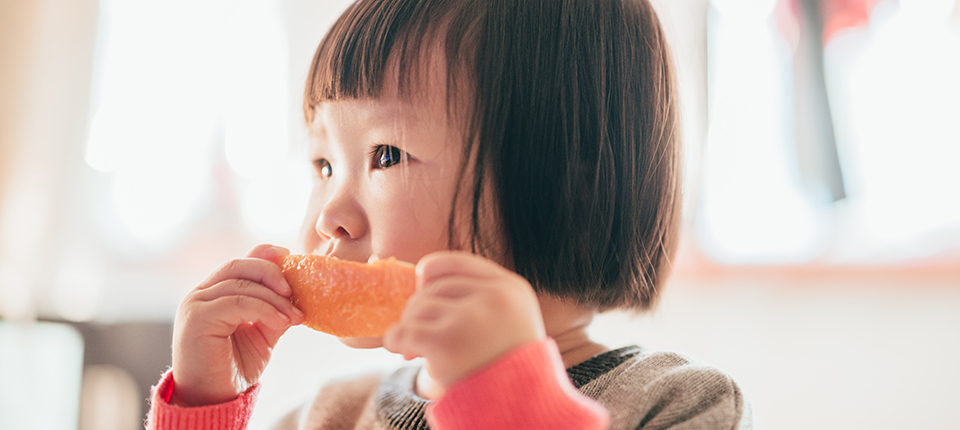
pixel 467 312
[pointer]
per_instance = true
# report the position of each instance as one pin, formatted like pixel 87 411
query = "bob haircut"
pixel 572 118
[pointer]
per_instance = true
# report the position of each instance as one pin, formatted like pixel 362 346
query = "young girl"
pixel 525 154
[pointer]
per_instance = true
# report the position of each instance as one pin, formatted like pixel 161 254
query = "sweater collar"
pixel 400 407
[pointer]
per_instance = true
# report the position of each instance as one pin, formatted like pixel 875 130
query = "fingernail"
pixel 285 289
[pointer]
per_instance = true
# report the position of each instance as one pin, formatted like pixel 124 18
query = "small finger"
pixel 456 263
pixel 258 270
pixel 428 309
pixel 244 287
pixel 231 312
pixel 454 287
pixel 392 339
pixel 402 339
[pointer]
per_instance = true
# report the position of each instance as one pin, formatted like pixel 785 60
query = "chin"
pixel 362 342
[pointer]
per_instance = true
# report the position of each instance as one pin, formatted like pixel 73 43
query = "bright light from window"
pixel 274 204
pixel 155 120
pixel 927 12
pixel 752 11
pixel 173 73
pixel 154 201
pixel 895 100
pixel 159 61
pixel 255 91
pixel 898 92
pixel 754 208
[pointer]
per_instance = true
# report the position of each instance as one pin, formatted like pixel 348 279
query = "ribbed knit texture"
pixel 397 405
pixel 232 415
pixel 534 373
pixel 588 371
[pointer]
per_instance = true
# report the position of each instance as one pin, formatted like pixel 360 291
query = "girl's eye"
pixel 385 156
pixel 323 167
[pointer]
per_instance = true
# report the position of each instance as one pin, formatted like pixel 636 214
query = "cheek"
pixel 412 222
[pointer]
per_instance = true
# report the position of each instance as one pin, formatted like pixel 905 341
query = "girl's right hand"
pixel 226 328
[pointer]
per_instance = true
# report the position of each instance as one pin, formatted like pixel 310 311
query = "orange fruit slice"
pixel 347 298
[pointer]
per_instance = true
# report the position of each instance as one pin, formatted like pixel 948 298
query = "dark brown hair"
pixel 573 119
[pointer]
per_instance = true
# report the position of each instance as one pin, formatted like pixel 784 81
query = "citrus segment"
pixel 347 298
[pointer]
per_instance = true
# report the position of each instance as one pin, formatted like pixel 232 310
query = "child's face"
pixel 386 173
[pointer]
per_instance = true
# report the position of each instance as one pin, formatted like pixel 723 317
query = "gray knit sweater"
pixel 642 390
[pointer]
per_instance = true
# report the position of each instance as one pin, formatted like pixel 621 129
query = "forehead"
pixel 360 111
pixel 373 116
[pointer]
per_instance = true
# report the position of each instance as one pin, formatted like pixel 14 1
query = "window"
pixel 836 149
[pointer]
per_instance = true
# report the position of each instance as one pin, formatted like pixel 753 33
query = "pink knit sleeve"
pixel 528 388
pixel 232 415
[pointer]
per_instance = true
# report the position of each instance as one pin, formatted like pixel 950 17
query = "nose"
pixel 342 217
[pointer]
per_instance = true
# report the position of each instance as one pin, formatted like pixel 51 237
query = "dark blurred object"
pixel 816 141
pixel 143 349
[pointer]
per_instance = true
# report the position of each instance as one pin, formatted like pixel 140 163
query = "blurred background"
pixel 144 143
